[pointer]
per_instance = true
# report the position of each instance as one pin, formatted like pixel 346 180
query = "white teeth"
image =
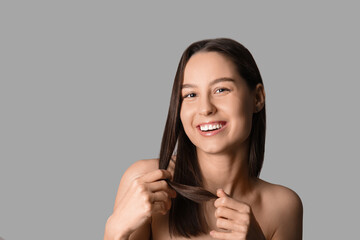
pixel 210 127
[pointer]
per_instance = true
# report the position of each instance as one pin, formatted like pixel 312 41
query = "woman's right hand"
pixel 147 195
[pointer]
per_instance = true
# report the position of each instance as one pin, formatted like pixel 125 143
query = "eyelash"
pixel 224 89
pixel 216 91
pixel 187 95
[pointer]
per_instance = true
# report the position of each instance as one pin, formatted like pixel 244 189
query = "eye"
pixel 221 90
pixel 189 95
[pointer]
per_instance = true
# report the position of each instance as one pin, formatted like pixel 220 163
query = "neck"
pixel 228 171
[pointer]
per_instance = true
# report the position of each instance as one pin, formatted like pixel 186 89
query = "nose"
pixel 206 107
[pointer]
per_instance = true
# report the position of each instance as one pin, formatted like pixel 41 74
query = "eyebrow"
pixel 224 79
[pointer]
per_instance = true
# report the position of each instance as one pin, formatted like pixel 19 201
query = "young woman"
pixel 206 183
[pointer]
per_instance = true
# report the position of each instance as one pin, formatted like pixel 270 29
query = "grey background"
pixel 85 88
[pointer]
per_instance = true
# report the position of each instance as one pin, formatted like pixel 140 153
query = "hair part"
pixel 186 218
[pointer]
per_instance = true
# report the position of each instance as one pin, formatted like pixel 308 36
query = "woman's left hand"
pixel 235 217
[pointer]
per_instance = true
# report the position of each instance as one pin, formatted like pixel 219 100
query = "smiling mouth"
pixel 209 127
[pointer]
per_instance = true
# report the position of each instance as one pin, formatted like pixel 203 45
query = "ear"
pixel 259 98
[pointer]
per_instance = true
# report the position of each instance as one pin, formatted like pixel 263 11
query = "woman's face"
pixel 217 104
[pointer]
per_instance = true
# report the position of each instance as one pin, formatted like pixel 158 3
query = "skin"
pixel 246 208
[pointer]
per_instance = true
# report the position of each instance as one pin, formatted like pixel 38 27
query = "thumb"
pixel 220 193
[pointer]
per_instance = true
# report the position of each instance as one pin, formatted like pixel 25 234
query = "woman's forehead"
pixel 208 66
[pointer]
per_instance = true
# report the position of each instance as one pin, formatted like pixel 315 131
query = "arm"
pixel 290 217
pixel 142 192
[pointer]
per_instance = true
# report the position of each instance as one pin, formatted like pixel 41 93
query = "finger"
pixel 161 186
pixel 160 196
pixel 221 235
pixel 156 175
pixel 226 235
pixel 224 212
pixel 226 201
pixel 230 225
pixel 220 193
pixel 159 207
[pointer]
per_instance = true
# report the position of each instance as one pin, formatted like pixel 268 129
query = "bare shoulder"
pixel 283 196
pixel 141 167
pixel 135 170
pixel 286 209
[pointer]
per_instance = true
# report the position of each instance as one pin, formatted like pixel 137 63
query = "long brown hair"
pixel 185 217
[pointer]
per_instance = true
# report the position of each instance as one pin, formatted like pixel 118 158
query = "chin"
pixel 211 149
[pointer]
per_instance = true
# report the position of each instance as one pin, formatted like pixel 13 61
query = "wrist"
pixel 115 232
pixel 125 235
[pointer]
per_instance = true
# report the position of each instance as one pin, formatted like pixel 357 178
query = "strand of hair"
pixel 193 193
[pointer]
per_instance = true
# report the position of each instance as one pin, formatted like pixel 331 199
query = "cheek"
pixel 247 116
pixel 185 117
pixel 242 118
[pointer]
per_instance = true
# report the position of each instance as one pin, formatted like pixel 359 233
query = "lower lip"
pixel 212 133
